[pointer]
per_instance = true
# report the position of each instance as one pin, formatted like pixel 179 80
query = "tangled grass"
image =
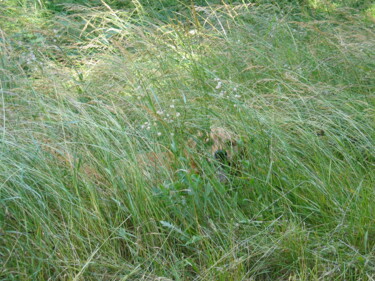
pixel 83 94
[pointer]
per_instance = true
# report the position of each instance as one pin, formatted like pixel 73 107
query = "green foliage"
pixel 90 91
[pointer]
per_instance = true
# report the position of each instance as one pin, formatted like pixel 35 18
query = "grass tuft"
pixel 90 92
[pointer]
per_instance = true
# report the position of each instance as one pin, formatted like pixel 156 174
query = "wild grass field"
pixel 86 87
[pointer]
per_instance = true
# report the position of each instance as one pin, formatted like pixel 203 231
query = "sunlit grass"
pixel 371 12
pixel 83 101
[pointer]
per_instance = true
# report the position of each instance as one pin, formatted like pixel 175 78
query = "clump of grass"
pixel 296 91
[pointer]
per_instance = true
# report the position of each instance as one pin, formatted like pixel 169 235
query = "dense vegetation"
pixel 88 86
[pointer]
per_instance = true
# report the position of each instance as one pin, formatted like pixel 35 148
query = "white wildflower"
pixel 237 96
pixel 193 32
pixel 159 134
pixel 171 106
pixel 218 86
pixel 178 114
pixel 160 112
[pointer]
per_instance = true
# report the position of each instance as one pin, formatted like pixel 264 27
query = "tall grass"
pixel 85 94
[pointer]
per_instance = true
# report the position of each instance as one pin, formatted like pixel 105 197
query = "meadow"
pixel 88 86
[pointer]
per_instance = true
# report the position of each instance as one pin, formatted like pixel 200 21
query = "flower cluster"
pixel 222 93
pixel 168 117
pixel 30 58
pixel 146 125
pixel 234 97
pixel 165 115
